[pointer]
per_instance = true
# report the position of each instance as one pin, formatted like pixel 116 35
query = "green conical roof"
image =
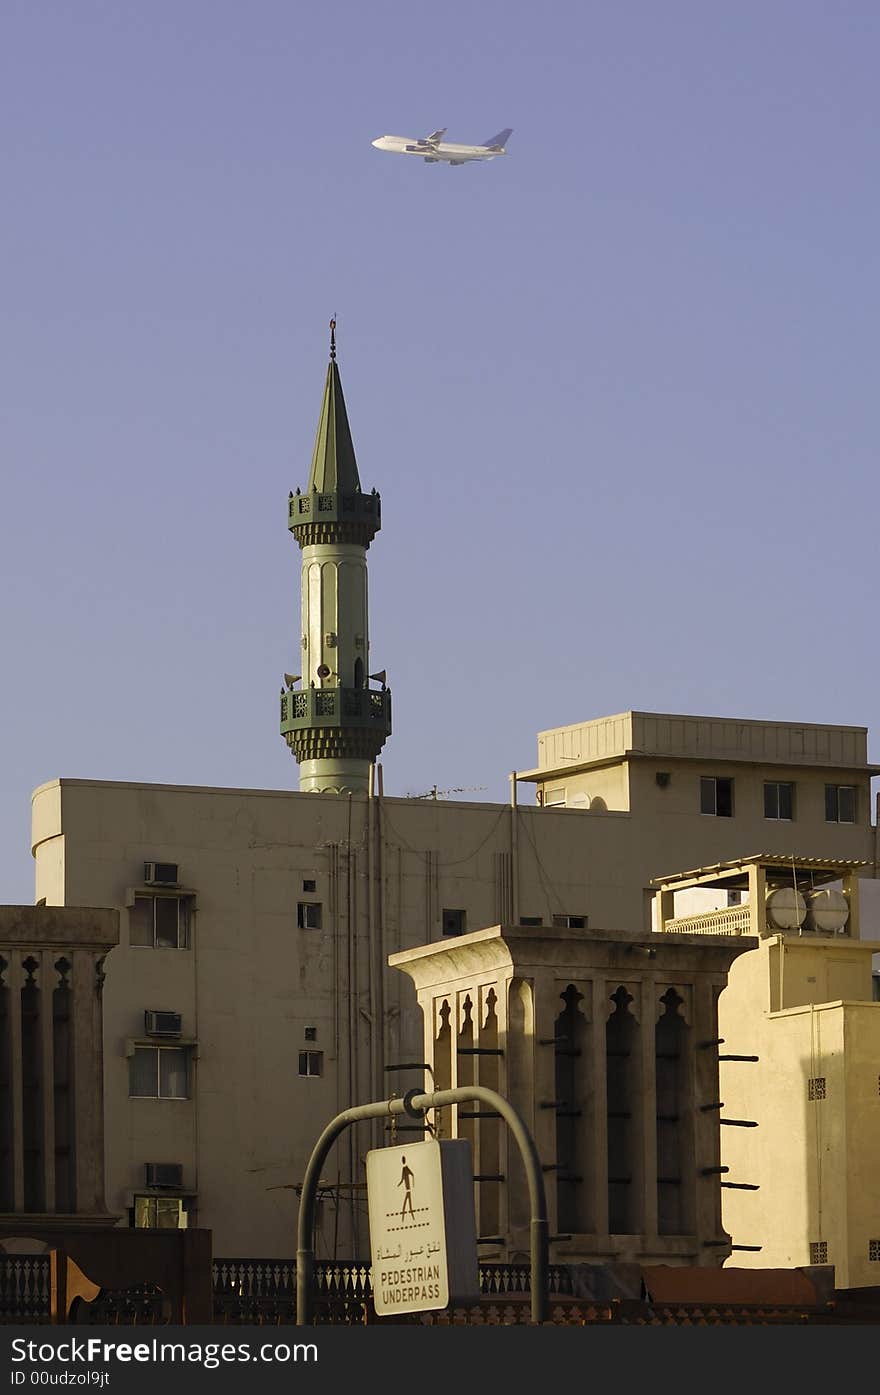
pixel 334 468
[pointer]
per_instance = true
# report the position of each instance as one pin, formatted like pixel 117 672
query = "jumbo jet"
pixel 433 148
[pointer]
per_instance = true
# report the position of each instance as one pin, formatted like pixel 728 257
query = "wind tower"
pixel 334 723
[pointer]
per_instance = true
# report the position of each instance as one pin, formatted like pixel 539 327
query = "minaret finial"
pixel 333 340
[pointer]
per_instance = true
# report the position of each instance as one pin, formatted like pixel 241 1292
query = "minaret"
pixel 334 724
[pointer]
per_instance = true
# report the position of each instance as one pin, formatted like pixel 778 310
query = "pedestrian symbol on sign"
pixel 406 1181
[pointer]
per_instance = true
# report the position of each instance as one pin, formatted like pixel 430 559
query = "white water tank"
pixel 786 908
pixel 827 911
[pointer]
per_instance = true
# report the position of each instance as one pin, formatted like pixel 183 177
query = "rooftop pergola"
pixel 780 869
pixel 755 875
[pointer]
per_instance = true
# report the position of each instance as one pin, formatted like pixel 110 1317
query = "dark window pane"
pixel 166 922
pixel 771 801
pixel 707 795
pixel 724 798
pixel 786 801
pixel 831 804
pixel 846 803
pixel 143 1081
pixel 308 915
pixel 454 922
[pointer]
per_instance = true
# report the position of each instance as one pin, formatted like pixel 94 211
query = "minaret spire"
pixel 335 724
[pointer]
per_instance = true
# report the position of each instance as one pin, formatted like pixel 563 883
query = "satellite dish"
pixel 578 801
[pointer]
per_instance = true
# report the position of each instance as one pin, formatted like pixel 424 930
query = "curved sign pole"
pixel 415 1103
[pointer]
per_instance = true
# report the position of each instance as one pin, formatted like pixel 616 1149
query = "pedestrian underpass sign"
pixel 423 1237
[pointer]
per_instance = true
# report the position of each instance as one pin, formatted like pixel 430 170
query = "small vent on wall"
pixel 874 1251
pixel 817 1087
pixel 819 1252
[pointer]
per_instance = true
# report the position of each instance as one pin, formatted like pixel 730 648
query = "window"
pixel 734 898
pixel 840 803
pixel 531 920
pixel 159 922
pixel 454 922
pixel 308 915
pixel 311 1063
pixel 311 1034
pixel 159 1073
pixel 159 1213
pixel 716 796
pixel 309 885
pixel 571 922
pixel 778 800
pixel 555 798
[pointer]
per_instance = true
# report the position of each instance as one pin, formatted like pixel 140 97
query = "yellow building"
pixel 799 1062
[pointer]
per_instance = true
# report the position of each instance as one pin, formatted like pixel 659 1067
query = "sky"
pixel 618 390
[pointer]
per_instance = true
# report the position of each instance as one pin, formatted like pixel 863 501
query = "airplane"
pixel 433 149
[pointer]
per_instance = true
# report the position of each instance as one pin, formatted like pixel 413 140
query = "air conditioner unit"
pixel 161 873
pixel 162 1024
pixel 164 1174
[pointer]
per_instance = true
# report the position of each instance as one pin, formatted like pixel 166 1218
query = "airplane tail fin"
pixel 498 142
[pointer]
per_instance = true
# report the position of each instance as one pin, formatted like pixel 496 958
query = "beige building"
pixel 250 1000
pixel 52 965
pixel 606 1044
pixel 798 1062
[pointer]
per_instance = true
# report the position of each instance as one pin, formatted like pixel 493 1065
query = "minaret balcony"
pixel 315 518
pixel 305 708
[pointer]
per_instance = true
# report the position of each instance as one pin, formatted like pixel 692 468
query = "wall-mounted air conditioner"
pixel 162 1024
pixel 161 873
pixel 164 1174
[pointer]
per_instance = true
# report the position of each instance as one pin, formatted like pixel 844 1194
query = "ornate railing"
pixel 347 707
pixel 24 1288
pixel 730 920
pixel 263 1292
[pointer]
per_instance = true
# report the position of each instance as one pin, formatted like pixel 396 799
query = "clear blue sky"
pixel 618 390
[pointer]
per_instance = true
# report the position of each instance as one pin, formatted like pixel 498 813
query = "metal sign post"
pixel 415 1103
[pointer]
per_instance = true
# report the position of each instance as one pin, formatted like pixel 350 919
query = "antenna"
pixel 434 793
pixel 333 340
